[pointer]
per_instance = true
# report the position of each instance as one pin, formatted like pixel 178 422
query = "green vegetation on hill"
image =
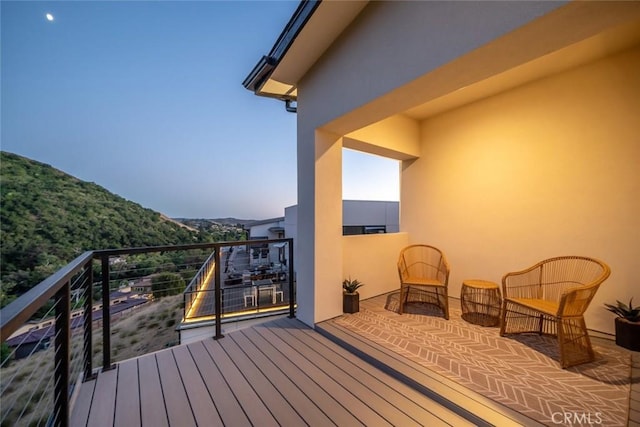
pixel 48 217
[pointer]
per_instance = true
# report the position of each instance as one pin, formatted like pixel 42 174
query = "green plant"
pixel 351 286
pixel 164 284
pixel 5 352
pixel 625 311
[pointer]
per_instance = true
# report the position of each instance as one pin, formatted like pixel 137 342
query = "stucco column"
pixel 319 254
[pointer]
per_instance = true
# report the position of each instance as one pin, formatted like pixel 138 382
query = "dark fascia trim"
pixel 264 68
pixel 260 73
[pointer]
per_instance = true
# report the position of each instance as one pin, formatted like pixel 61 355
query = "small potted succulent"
pixel 627 324
pixel 350 296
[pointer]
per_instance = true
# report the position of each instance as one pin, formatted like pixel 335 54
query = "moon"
pixel 49 17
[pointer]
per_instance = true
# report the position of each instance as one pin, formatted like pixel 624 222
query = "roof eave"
pixel 259 75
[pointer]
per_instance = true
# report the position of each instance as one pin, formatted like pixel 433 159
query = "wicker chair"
pixel 420 267
pixel 551 298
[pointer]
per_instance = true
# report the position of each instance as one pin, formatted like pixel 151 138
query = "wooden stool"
pixel 480 301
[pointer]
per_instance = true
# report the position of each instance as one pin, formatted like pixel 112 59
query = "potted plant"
pixel 350 296
pixel 627 324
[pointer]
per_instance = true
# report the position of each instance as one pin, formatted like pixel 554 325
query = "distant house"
pixel 272 228
pixel 358 217
pixel 516 124
pixel 141 285
pixel 37 336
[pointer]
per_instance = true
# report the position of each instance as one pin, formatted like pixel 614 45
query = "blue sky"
pixel 145 99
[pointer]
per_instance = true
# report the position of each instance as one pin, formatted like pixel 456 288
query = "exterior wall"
pixel 530 172
pixel 421 36
pixel 360 67
pixel 354 212
pixel 362 255
pixel 372 258
pixel 291 227
pixel 547 169
pixel 319 247
pixel 261 230
pixel 369 212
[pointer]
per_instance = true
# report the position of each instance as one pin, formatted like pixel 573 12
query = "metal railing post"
pixel 62 354
pixel 292 296
pixel 106 316
pixel 88 323
pixel 186 306
pixel 218 292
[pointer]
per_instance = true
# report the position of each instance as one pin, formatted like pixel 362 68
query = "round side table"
pixel 481 302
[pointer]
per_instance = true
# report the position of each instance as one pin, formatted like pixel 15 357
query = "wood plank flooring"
pixel 278 373
pixel 480 410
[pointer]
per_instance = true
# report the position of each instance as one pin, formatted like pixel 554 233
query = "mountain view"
pixel 48 217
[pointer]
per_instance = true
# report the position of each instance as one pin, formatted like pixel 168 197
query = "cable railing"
pixel 242 280
pixel 91 314
pixel 40 393
pixel 201 279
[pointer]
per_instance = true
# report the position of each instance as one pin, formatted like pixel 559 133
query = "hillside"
pixel 48 217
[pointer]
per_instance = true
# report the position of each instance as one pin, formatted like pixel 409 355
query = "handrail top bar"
pixel 19 311
pixel 144 249
pixel 200 271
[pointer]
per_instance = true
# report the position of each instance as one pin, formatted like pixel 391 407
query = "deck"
pixel 277 373
pixel 283 373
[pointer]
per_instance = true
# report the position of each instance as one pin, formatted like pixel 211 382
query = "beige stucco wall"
pixel 496 181
pixel 551 168
pixel 394 42
pixel 371 258
pixel 360 66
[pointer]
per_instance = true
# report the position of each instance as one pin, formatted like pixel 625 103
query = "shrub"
pixel 5 352
pixel 164 284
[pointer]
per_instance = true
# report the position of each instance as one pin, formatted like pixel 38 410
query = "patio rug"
pixel 521 372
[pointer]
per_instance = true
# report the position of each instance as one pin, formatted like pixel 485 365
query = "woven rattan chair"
pixel 551 298
pixel 424 269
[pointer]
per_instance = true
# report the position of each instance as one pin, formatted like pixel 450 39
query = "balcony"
pixel 278 373
pixel 368 368
pixel 282 372
pixel 71 335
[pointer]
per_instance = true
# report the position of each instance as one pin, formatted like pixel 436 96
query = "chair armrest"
pixel 575 301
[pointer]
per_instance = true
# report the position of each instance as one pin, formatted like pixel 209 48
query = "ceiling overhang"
pixel 570 36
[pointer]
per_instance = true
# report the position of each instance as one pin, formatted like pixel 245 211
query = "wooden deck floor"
pixel 284 373
pixel 277 373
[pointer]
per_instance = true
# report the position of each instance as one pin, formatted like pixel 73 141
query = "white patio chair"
pixel 250 295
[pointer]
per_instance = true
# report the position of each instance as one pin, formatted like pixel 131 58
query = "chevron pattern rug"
pixel 521 372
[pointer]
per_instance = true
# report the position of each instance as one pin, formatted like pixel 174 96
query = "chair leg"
pixel 275 298
pixel 402 298
pixel 540 324
pixel 503 318
pixel 574 342
pixel 250 298
pixel 446 304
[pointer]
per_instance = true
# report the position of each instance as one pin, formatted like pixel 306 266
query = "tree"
pixel 164 284
pixel 47 218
